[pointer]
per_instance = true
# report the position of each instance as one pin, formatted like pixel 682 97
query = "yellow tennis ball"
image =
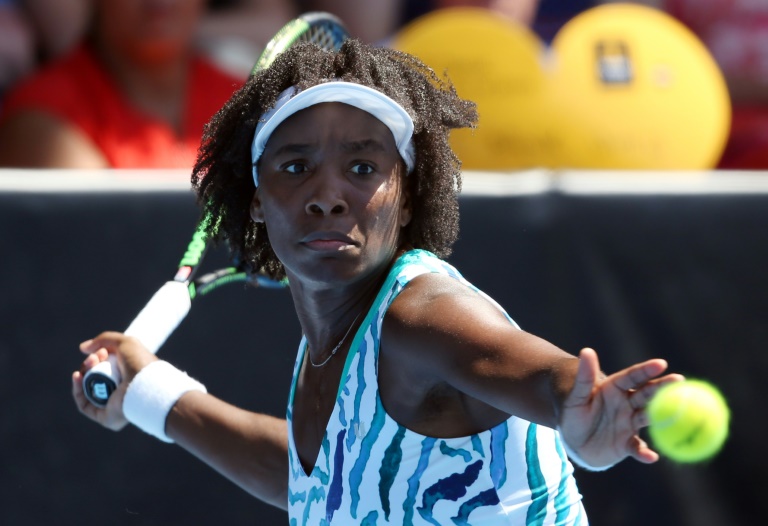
pixel 688 421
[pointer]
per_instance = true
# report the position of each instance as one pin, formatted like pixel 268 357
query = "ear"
pixel 406 209
pixel 257 214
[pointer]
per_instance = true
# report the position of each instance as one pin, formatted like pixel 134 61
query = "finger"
pixel 640 451
pixel 109 340
pixel 111 417
pixel 586 375
pixel 102 354
pixel 82 403
pixel 77 390
pixel 641 397
pixel 92 360
pixel 639 374
pixel 77 380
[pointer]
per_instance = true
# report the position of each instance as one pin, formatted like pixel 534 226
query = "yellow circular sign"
pixel 637 89
pixel 496 64
pixel 623 86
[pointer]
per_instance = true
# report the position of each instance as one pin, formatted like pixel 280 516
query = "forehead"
pixel 334 118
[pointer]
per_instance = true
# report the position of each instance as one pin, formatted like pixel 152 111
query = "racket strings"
pixel 326 32
pixel 327 35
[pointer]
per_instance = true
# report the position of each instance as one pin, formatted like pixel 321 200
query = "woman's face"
pixel 331 194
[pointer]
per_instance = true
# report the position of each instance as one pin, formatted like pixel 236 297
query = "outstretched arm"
pixel 451 335
pixel 248 448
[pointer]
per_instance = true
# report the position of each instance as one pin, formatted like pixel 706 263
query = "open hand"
pixel 602 416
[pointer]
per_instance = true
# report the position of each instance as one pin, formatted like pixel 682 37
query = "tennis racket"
pixel 172 302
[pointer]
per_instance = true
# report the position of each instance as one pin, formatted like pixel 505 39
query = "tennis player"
pixel 415 398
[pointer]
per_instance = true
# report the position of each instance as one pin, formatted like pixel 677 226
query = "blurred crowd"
pixel 131 83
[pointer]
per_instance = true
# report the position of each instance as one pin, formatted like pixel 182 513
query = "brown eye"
pixel 363 169
pixel 295 168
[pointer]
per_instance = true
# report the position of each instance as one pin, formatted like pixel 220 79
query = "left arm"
pixel 455 335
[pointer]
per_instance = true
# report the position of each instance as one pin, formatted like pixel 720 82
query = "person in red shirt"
pixel 134 94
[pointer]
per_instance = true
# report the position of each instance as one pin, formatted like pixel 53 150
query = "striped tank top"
pixel 373 471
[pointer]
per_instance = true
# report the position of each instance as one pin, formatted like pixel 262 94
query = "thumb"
pixel 586 376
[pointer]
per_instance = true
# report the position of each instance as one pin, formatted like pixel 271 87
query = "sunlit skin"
pixel 450 364
pixel 333 197
pixel 331 194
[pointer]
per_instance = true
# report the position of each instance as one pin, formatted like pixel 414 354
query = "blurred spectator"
pixel 234 32
pixel 58 25
pixel 33 32
pixel 133 94
pixel 736 33
pixel 17 44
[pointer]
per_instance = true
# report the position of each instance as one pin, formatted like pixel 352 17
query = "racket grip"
pixel 101 380
pixel 153 325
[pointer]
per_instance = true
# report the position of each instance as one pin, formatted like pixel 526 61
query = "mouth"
pixel 328 241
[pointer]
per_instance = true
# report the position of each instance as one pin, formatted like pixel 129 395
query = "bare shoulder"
pixel 452 332
pixel 453 339
pixel 439 300
pixel 436 316
pixel 430 350
pixel 37 139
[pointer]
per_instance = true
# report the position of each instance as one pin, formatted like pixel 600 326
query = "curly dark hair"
pixel 222 174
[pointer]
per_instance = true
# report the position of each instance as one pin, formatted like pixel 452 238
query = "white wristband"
pixel 580 461
pixel 152 394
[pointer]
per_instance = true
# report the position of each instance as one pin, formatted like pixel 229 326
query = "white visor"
pixel 367 99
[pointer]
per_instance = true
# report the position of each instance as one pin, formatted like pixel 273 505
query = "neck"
pixel 332 326
pixel 327 316
pixel 336 348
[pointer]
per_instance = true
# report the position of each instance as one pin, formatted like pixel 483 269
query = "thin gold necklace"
pixel 335 349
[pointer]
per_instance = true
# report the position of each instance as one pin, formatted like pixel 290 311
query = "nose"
pixel 327 197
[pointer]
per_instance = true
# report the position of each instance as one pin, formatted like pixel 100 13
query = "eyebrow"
pixel 347 146
pixel 366 144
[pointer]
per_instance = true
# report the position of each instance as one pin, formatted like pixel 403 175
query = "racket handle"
pixel 101 380
pixel 153 325
pixel 161 315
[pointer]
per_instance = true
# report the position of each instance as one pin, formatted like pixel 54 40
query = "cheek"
pixel 275 221
pixel 275 207
pixel 275 218
pixel 387 211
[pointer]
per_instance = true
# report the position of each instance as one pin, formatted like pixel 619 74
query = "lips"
pixel 327 241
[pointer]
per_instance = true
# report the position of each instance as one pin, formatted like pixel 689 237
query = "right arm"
pixel 248 448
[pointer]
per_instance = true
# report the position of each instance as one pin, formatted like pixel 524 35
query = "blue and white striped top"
pixel 373 471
